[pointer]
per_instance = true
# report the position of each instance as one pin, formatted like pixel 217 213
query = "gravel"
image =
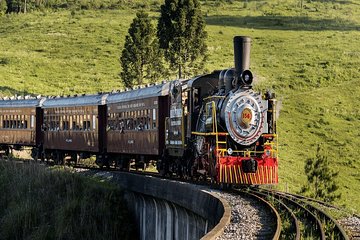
pixel 352 226
pixel 248 218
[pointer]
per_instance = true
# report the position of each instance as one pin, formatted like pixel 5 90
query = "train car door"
pixel 174 140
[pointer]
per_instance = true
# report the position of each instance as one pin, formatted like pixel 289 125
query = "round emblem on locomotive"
pixel 244 116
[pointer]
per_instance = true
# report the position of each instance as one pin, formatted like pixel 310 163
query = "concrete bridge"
pixel 165 209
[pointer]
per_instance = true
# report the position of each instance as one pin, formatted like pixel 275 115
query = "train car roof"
pixel 21 103
pixel 141 93
pixel 75 101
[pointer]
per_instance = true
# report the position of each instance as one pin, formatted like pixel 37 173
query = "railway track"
pixel 301 219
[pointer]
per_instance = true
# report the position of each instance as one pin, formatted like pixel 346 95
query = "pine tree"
pixel 321 180
pixel 141 58
pixel 181 33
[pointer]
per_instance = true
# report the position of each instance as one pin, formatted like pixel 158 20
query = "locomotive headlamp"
pixel 247 77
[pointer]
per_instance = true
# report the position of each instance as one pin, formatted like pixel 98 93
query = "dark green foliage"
pixel 36 203
pixel 17 6
pixel 141 58
pixel 181 33
pixel 321 180
pixel 14 6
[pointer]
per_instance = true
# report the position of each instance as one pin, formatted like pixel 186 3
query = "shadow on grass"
pixel 282 23
pixel 338 1
pixel 8 91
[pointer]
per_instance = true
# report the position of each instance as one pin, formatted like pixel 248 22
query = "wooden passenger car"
pixel 136 121
pixel 73 124
pixel 18 123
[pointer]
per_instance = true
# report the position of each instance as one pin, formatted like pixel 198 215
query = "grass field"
pixel 310 57
pixel 39 203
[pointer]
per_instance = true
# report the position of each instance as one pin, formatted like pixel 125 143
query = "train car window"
pixel 154 119
pixel 70 120
pixel 32 121
pixel 94 122
pixel 79 121
pixel 129 124
pixel 134 126
pixel 86 125
pixel 65 125
pixel 22 121
pixel 117 121
pixel 148 122
pixel 185 101
pixel 49 122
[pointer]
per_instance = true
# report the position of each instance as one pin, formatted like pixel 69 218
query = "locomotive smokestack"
pixel 241 55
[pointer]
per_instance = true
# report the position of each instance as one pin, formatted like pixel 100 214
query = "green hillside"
pixel 310 57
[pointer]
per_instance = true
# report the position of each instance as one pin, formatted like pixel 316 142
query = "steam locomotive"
pixel 213 126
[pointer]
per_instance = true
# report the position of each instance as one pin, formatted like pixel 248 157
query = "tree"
pixel 16 6
pixel 321 180
pixel 141 57
pixel 181 33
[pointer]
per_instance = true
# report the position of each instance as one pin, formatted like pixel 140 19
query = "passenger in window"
pixel 140 126
pixel 122 126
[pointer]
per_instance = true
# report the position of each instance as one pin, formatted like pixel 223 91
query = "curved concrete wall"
pixel 166 209
pixel 160 219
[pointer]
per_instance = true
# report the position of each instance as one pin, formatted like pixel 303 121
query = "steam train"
pixel 213 126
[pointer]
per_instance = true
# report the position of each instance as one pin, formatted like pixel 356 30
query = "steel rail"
pixel 312 200
pixel 310 216
pixel 295 221
pixel 327 218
